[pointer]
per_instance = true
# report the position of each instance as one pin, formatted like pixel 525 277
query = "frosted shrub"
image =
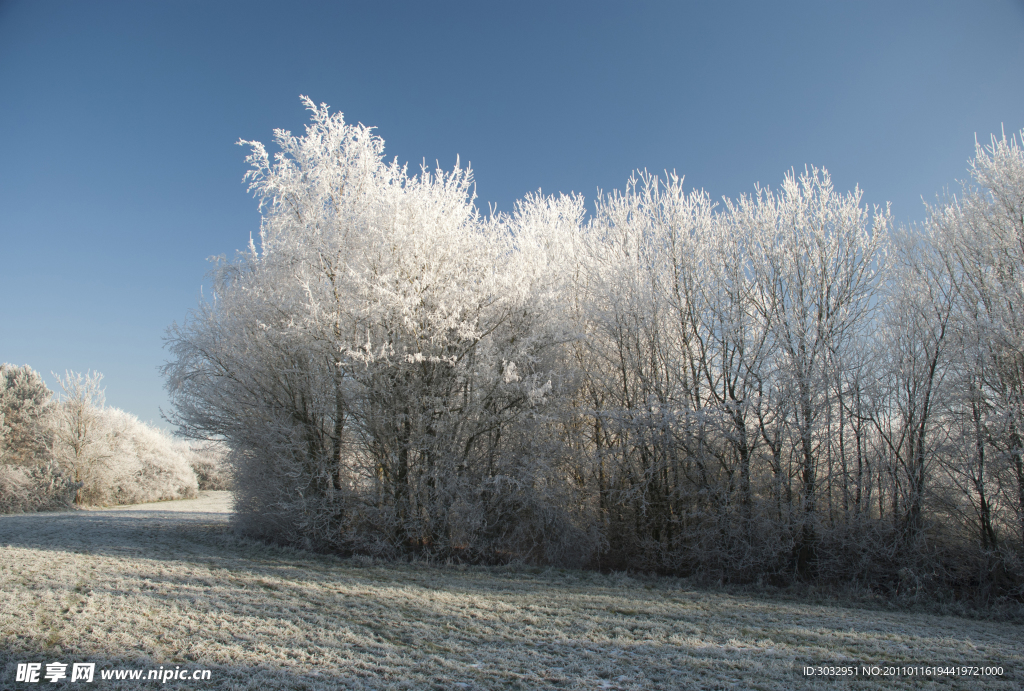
pixel 112 456
pixel 209 462
pixel 41 487
pixel 148 465
pixel 54 454
pixel 29 479
pixel 130 462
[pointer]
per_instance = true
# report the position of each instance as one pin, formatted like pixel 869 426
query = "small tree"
pixel 76 443
pixel 30 479
pixel 24 403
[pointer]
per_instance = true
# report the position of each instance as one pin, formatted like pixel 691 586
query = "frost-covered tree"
pixel 24 402
pixel 667 356
pixel 914 360
pixel 983 233
pixel 73 424
pixel 716 350
pixel 815 261
pixel 29 478
pixel 378 362
pixel 776 388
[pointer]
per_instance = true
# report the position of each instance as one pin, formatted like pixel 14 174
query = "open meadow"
pixel 168 585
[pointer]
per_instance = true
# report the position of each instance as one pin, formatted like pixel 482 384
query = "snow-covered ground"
pixel 166 584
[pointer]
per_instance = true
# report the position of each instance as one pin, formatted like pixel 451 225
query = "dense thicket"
pixel 779 387
pixel 55 453
pixel 29 479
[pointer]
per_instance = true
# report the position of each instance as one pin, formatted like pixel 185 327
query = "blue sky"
pixel 119 173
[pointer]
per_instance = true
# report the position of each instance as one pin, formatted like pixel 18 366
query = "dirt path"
pixel 166 587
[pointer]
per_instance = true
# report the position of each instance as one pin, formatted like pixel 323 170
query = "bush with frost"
pixel 129 462
pixel 41 487
pixel 29 478
pixel 113 456
pixel 74 450
pixel 209 462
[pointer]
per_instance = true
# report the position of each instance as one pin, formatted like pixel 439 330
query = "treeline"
pixel 55 453
pixel 776 388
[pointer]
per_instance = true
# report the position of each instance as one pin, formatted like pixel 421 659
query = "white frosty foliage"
pixel 24 402
pixel 29 478
pixel 781 386
pixel 80 451
pixel 357 361
pixel 115 458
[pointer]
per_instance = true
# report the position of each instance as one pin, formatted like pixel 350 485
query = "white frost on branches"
pixel 779 386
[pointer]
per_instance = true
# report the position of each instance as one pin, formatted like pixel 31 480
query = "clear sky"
pixel 119 173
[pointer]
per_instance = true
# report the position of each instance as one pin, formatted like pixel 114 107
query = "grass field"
pixel 168 585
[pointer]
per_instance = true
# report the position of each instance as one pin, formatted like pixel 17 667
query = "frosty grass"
pixel 168 584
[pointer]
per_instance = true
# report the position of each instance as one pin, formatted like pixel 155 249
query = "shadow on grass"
pixel 110 531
